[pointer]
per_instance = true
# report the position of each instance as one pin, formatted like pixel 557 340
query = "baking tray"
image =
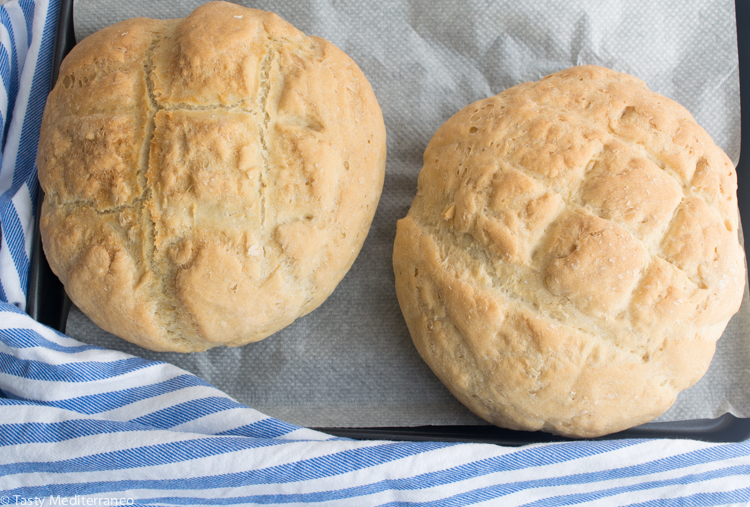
pixel 48 304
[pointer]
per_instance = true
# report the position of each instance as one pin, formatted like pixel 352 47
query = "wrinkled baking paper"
pixel 351 363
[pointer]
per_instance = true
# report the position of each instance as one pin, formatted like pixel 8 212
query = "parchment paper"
pixel 351 362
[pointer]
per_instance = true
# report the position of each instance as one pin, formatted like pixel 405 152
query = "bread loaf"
pixel 208 180
pixel 571 256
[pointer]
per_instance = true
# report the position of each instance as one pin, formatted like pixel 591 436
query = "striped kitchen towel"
pixel 82 425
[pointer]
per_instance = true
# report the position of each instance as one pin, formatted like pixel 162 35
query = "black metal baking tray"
pixel 48 303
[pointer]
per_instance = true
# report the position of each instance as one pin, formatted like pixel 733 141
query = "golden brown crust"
pixel 572 254
pixel 209 179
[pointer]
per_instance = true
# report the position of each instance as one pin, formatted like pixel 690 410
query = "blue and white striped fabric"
pixel 81 425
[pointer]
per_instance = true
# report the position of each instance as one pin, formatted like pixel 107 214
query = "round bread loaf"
pixel 208 180
pixel 571 256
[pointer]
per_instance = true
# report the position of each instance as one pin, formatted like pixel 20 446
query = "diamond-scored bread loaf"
pixel 571 256
pixel 208 179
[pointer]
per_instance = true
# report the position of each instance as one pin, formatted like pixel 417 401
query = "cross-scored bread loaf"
pixel 571 256
pixel 208 179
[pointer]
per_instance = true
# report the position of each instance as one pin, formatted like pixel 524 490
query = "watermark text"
pixel 46 501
